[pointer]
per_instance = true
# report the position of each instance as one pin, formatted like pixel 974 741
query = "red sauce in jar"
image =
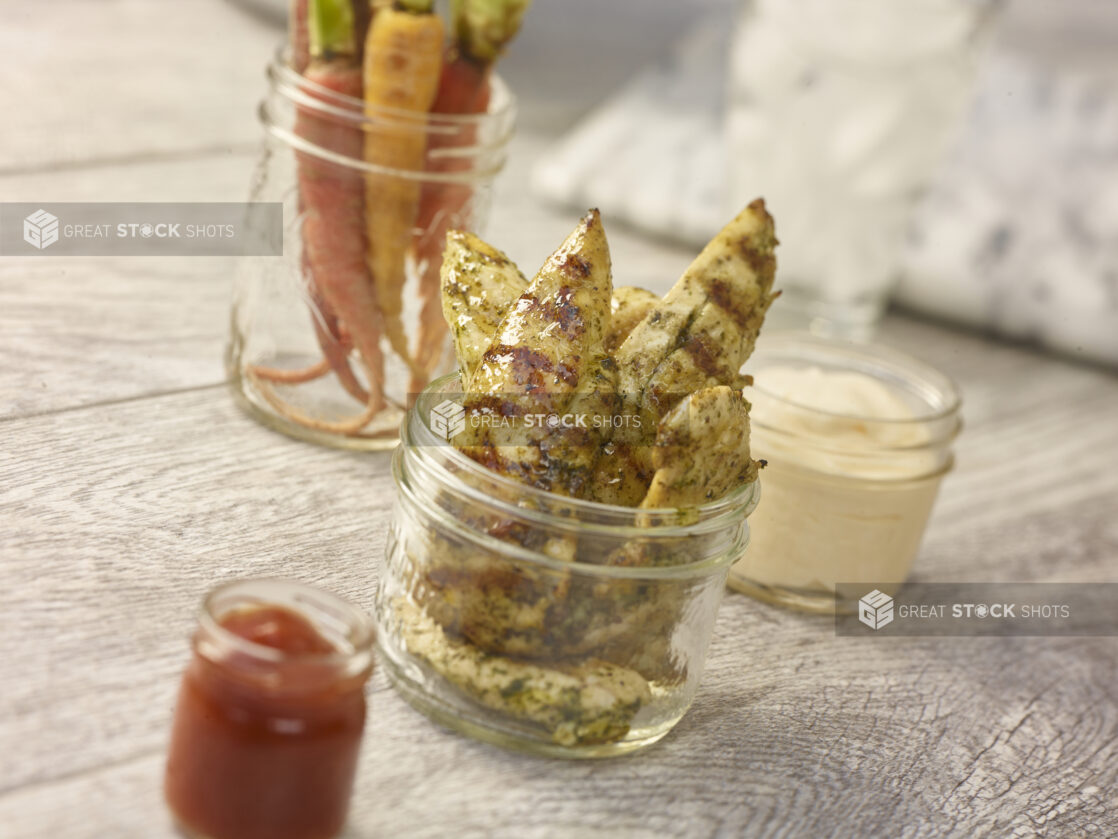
pixel 266 733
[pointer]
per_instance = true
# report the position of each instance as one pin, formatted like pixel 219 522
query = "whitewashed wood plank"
pixel 103 330
pixel 82 331
pixel 203 176
pixel 119 78
pixel 813 738
pixel 116 520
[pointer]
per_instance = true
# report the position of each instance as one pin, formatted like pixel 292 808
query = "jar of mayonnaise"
pixel 857 438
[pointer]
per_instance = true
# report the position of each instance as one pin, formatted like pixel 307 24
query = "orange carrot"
pixel 463 89
pixel 333 232
pixel 403 56
pixel 331 205
pixel 482 29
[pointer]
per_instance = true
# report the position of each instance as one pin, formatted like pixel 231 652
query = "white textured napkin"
pixel 1018 234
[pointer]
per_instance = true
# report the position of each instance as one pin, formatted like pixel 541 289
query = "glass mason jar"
pixel 847 494
pixel 328 342
pixel 270 714
pixel 539 622
pixel 839 112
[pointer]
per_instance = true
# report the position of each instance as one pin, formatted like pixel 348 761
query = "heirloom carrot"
pixel 482 29
pixel 403 55
pixel 298 36
pixel 332 201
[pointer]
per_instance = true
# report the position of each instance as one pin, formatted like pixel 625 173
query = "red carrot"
pixel 333 223
pixel 333 199
pixel 482 29
pixel 298 37
pixel 324 320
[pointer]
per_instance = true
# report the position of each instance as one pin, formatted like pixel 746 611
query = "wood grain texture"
pixel 116 518
pixel 116 79
pixel 112 531
pixel 83 331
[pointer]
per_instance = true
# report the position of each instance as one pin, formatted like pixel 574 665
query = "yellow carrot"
pixel 403 59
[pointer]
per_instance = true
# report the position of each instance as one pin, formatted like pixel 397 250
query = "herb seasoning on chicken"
pixel 575 654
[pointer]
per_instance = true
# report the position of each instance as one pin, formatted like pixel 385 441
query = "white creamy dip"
pixel 851 478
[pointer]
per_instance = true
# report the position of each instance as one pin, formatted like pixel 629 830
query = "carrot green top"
pixel 416 7
pixel 331 27
pixel 484 27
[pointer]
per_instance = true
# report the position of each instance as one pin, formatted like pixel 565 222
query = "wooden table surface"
pixel 130 484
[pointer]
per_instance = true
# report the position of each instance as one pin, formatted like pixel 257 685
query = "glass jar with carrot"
pixel 385 127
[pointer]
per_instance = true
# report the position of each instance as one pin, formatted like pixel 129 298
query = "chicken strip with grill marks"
pixel 702 450
pixel 698 336
pixel 479 284
pixel 578 703
pixel 547 350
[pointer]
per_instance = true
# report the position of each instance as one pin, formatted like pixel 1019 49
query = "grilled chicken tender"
pixel 698 336
pixel 702 450
pixel 579 704
pixel 546 614
pixel 479 284
pixel 629 306
pixel 703 331
pixel 552 347
pixel 546 350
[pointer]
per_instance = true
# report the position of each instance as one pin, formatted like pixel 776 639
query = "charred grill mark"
pixel 527 367
pixel 497 406
pixel 488 457
pixel 759 259
pixel 526 472
pixel 699 349
pixel 568 373
pixel 575 266
pixel 757 251
pixel 563 311
pixel 722 295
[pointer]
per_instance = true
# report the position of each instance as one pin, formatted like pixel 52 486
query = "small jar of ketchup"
pixel 270 714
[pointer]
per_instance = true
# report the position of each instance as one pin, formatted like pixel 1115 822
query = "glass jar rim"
pixel 698 568
pixel 282 74
pixel 360 634
pixel 329 104
pixel 860 358
pixel 588 516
